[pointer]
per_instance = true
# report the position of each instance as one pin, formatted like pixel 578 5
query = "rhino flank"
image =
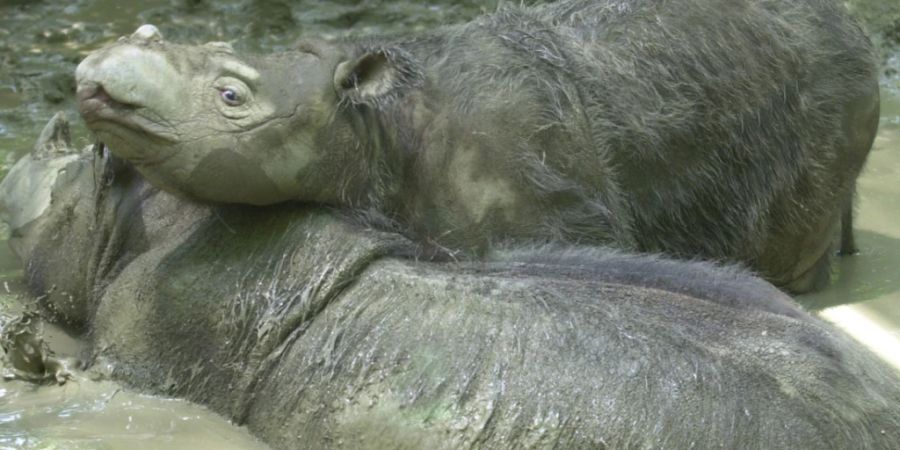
pixel 304 327
pixel 720 129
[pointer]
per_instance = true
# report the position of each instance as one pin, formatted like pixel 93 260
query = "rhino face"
pixel 195 119
pixel 47 202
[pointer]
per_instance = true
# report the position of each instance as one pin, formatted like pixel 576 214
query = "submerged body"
pixel 308 331
pixel 724 130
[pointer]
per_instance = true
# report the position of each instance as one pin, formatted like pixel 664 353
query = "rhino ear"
pixel 374 77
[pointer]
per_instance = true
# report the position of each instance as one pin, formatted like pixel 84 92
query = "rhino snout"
pixel 129 75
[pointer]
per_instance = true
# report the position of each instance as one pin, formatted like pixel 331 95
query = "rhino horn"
pixel 54 139
pixel 147 33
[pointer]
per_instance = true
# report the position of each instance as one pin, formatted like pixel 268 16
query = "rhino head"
pixel 47 197
pixel 202 119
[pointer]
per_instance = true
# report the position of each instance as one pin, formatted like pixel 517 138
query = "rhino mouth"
pixel 103 112
pixel 95 104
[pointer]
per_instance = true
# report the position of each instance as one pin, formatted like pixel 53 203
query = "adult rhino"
pixel 306 329
pixel 714 129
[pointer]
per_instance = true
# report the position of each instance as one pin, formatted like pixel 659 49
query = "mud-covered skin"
pixel 725 130
pixel 304 328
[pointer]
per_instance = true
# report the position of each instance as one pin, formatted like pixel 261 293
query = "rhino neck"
pixel 377 156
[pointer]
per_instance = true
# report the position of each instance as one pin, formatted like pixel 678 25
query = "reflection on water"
pixel 871 280
pixel 84 414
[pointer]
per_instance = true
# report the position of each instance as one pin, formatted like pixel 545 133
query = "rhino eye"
pixel 231 97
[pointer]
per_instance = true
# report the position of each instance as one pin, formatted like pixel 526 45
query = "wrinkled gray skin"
pixel 304 327
pixel 719 129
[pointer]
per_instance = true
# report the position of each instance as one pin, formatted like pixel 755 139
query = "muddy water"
pixel 865 299
pixel 100 415
pixel 42 41
pixel 91 414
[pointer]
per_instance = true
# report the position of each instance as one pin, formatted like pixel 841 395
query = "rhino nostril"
pixel 147 33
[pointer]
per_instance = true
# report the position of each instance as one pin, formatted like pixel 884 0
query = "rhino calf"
pixel 728 130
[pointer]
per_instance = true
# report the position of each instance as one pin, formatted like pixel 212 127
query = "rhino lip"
pixel 94 103
pixel 102 111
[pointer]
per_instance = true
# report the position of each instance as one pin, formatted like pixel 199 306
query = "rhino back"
pixel 455 361
pixel 306 330
pixel 720 130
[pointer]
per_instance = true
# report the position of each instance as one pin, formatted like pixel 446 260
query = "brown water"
pixel 94 415
pixel 40 44
pixel 867 291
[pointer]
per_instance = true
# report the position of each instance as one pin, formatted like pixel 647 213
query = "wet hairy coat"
pixel 724 130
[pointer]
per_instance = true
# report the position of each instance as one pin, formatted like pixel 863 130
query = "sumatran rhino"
pixel 304 327
pixel 720 129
